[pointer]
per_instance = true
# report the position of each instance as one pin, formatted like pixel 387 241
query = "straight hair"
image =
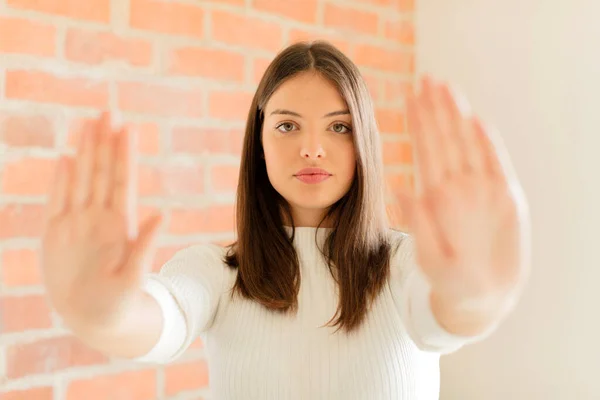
pixel 357 250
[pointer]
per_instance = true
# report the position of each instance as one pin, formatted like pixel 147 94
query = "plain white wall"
pixel 532 68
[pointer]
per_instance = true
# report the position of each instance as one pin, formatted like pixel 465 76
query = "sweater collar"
pixel 305 235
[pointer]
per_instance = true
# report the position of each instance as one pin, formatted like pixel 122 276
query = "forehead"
pixel 306 93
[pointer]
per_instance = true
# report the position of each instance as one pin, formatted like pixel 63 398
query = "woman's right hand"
pixel 93 257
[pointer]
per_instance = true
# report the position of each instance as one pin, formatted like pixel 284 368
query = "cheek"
pixel 348 160
pixel 275 159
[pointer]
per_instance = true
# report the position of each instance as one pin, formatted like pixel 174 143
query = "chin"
pixel 310 200
pixel 310 197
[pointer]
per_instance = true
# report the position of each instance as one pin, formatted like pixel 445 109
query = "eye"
pixel 341 128
pixel 288 127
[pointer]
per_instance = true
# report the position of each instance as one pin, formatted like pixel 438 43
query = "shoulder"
pixel 197 258
pixel 205 251
pixel 402 254
pixel 400 241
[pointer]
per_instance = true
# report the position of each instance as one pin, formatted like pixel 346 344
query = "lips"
pixel 312 175
pixel 312 171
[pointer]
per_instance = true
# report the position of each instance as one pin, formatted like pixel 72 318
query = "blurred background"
pixel 183 72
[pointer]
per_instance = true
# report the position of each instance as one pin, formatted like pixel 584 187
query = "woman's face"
pixel 309 151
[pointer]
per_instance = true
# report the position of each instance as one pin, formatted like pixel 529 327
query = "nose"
pixel 312 147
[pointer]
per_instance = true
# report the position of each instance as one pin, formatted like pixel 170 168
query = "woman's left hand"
pixel 469 216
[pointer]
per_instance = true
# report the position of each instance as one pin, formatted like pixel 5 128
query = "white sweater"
pixel 253 353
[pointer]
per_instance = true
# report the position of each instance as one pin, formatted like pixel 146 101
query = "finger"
pixel 425 157
pixel 84 167
pixel 58 198
pixel 446 124
pixel 432 133
pixel 496 161
pixel 102 180
pixel 432 245
pixel 124 179
pixel 138 258
pixel 462 129
pixel 420 155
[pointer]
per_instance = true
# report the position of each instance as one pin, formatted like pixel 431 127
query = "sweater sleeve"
pixel 188 289
pixel 410 290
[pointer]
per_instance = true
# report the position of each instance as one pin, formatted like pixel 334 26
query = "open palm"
pixel 469 214
pixel 93 253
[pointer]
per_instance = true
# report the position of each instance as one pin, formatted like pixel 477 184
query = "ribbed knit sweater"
pixel 254 353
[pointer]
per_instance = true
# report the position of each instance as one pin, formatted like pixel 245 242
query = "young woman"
pixel 318 298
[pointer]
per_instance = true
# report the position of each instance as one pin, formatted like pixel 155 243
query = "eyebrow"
pixel 331 114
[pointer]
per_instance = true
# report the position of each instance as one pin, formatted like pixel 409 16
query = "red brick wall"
pixel 182 72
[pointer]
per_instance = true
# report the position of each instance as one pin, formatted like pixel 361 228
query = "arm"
pixel 188 288
pixel 431 326
pixel 434 327
pixel 174 307
pixel 136 333
pixel 470 319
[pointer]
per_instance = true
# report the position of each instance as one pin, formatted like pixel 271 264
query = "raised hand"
pixel 469 216
pixel 92 255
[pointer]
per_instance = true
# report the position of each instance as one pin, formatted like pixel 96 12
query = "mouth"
pixel 312 171
pixel 313 178
pixel 323 174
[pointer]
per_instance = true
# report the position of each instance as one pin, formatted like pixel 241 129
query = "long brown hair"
pixel 357 249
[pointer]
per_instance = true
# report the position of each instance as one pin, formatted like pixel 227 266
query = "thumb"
pixel 137 261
